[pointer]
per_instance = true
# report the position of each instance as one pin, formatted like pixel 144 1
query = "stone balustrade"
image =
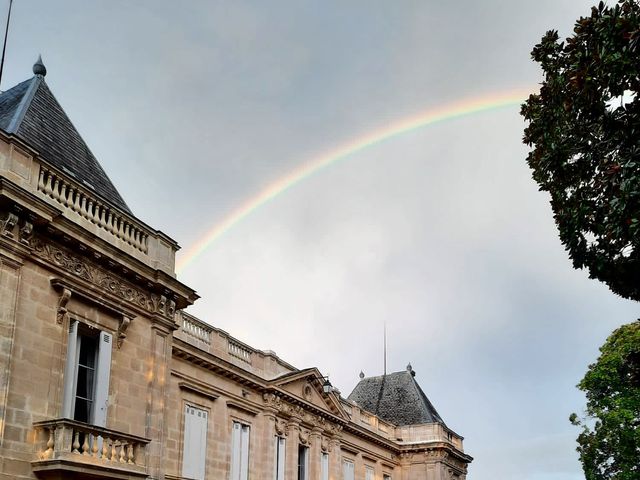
pixel 238 350
pixel 196 329
pixel 221 344
pixel 71 195
pixel 72 441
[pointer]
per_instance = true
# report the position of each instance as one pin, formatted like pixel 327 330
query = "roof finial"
pixel 361 375
pixel 410 370
pixel 38 68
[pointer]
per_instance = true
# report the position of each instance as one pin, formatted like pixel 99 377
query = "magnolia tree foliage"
pixel 609 444
pixel 584 127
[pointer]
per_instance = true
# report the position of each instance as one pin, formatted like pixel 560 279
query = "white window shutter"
pixel 348 470
pixel 236 433
pixel 324 466
pixel 70 371
pixel 368 473
pixel 244 463
pixel 306 463
pixel 195 443
pixel 102 379
pixel 280 449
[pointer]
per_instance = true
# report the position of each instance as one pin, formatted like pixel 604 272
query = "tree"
pixel 609 446
pixel 584 127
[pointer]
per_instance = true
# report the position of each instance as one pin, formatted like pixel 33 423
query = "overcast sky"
pixel 194 106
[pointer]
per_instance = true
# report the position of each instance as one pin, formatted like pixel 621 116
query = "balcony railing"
pixel 63 444
pixel 195 328
pixel 238 350
pixel 79 200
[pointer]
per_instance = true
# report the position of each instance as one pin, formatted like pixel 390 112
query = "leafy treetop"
pixel 584 127
pixel 609 447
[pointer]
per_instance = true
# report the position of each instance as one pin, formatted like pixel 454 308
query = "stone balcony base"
pixel 71 469
pixel 74 450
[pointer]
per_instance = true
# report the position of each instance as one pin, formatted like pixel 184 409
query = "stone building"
pixel 103 374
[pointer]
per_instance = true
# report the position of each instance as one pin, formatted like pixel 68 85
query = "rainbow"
pixel 449 111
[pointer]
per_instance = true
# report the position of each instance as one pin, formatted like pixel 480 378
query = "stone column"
pixel 335 459
pixel 268 454
pixel 293 440
pixel 315 444
pixel 156 392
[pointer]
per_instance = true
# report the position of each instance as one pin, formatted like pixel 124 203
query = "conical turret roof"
pixel 31 112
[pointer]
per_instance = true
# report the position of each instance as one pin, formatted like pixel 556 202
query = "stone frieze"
pixel 81 267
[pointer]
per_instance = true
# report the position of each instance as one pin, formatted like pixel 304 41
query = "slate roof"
pixel 396 398
pixel 31 112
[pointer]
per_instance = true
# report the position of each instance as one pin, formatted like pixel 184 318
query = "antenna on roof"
pixel 6 34
pixel 384 335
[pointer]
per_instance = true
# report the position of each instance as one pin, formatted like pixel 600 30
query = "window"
pixel 303 462
pixel 239 451
pixel 86 382
pixel 348 471
pixel 368 473
pixel 194 446
pixel 324 466
pixel 386 476
pixel 279 463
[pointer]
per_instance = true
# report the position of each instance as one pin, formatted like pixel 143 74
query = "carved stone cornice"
pixel 105 281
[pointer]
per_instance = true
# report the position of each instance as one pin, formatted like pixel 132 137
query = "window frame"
pixel 77 330
pixel 280 457
pixel 345 462
pixel 200 473
pixel 303 462
pixel 240 449
pixel 324 465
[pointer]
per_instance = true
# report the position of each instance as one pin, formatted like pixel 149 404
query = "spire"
pixel 38 68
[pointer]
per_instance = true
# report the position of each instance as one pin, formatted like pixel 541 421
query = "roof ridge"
pixel 23 106
pixel 431 410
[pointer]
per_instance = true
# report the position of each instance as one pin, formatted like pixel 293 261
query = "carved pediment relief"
pixel 299 415
pixel 307 385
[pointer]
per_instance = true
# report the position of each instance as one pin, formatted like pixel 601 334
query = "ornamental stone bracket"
pixel 8 224
pixel 303 435
pixel 122 328
pixel 61 313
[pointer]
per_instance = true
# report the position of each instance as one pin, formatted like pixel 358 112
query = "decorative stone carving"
pixel 325 445
pixel 272 400
pixel 304 437
pixel 8 224
pixel 61 313
pixel 122 328
pixel 26 233
pixel 81 267
pixel 280 427
pixel 307 391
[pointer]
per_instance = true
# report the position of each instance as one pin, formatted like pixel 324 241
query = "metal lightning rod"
pixel 384 335
pixel 4 46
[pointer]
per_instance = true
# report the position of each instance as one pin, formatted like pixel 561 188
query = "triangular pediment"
pixel 307 386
